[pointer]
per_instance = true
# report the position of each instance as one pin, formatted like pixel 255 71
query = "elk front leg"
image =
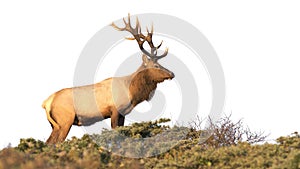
pixel 117 119
pixel 114 119
pixel 121 120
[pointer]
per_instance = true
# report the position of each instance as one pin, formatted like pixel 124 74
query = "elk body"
pixel 111 98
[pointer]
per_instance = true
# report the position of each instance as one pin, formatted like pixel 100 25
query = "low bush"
pixel 154 145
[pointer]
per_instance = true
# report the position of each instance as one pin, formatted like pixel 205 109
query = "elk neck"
pixel 141 86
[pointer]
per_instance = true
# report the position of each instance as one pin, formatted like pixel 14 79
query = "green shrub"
pixel 229 146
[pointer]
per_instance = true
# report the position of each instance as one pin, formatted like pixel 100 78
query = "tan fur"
pixel 111 98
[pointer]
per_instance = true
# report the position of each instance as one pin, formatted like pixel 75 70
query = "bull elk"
pixel 112 98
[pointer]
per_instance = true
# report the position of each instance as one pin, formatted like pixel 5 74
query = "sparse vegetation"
pixel 230 146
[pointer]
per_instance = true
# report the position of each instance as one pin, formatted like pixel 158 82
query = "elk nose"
pixel 172 75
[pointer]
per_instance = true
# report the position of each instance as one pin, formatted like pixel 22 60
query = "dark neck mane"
pixel 141 86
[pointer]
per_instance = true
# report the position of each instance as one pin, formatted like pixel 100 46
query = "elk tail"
pixel 47 106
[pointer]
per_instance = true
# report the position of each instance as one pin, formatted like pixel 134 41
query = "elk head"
pixel 150 63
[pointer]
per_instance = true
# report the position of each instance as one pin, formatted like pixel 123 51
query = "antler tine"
pixel 130 38
pixel 124 22
pixel 163 55
pixel 116 27
pixel 159 45
pixel 129 23
pixel 152 28
pixel 137 25
pixel 148 38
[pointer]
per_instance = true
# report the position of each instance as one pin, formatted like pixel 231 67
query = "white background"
pixel 258 43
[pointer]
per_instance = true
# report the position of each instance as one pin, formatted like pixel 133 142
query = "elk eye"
pixel 156 66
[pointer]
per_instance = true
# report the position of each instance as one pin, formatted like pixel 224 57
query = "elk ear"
pixel 145 60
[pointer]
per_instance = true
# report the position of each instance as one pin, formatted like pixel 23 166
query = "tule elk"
pixel 112 98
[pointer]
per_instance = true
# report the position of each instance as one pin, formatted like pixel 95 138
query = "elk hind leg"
pixel 55 129
pixel 54 136
pixel 64 132
pixel 65 122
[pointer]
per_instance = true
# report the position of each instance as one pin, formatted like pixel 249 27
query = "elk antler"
pixel 140 38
